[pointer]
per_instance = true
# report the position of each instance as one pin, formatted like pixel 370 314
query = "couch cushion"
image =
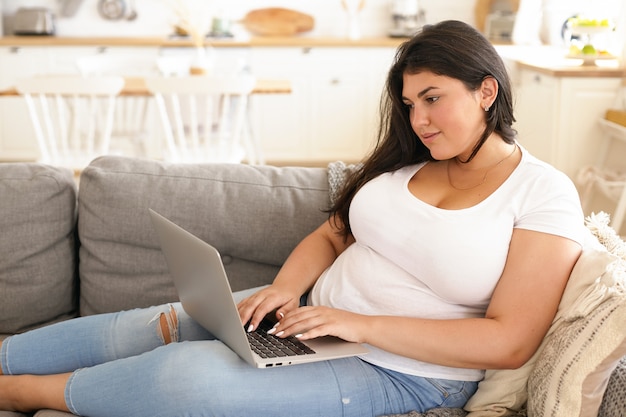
pixel 577 360
pixel 254 215
pixel 614 400
pixel 38 262
pixel 504 391
pixel 592 281
pixel 573 369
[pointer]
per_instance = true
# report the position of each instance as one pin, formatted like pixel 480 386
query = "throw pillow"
pixel 504 392
pixel 573 370
pixel 614 399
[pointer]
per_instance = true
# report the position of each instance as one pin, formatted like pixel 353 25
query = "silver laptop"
pixel 205 294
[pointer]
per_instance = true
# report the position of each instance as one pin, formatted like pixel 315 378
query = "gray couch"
pixel 69 251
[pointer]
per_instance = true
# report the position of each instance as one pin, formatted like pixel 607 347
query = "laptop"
pixel 205 294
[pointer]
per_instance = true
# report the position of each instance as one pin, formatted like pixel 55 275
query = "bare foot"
pixel 27 393
pixel 7 394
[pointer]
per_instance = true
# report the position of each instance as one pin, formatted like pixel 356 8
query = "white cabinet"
pixel 557 116
pixel 332 112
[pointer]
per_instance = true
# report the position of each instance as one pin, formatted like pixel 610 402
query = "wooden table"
pixel 136 86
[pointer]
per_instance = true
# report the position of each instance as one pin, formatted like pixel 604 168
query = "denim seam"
pixel 68 394
pixel 4 358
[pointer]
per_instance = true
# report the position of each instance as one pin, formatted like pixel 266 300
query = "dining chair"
pixel 204 118
pixel 174 65
pixel 131 119
pixel 72 116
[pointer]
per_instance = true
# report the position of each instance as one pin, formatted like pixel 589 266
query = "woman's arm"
pixel 521 310
pixel 305 264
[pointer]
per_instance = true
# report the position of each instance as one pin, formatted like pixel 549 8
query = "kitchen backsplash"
pixel 155 17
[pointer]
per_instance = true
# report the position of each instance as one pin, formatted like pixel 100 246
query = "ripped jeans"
pixel 122 365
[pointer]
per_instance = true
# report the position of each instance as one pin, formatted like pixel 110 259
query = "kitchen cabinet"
pixel 64 58
pixel 557 116
pixel 332 113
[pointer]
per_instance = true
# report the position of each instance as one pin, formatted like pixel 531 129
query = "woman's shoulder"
pixel 534 168
pixel 547 199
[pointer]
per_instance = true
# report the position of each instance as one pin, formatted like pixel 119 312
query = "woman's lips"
pixel 429 137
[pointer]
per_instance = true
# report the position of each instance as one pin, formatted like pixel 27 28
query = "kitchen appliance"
pixel 70 7
pixel 407 18
pixel 499 26
pixel 112 9
pixel 38 21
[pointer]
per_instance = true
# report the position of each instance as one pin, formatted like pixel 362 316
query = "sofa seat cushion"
pixel 38 262
pixel 254 215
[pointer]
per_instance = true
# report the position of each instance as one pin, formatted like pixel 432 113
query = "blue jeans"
pixel 121 366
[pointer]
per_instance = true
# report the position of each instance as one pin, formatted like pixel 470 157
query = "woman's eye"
pixel 431 99
pixel 409 105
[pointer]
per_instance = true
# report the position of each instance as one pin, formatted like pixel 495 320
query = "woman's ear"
pixel 488 91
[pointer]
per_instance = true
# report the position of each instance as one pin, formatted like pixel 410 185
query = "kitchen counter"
pixel 278 41
pixel 576 69
pixel 553 61
pixel 545 59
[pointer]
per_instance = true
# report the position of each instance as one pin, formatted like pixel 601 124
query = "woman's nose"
pixel 418 118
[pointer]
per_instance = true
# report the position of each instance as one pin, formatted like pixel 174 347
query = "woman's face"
pixel 447 117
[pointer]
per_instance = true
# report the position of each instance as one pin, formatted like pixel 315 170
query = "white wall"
pixel 155 17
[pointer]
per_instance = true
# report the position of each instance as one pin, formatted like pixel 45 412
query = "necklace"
pixel 484 176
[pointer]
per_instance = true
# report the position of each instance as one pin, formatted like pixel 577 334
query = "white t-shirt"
pixel 416 260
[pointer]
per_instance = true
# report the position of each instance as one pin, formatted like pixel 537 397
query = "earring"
pixel 486 108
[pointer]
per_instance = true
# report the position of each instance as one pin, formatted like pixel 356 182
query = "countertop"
pixel 545 59
pixel 269 41
pixel 553 61
pixel 576 70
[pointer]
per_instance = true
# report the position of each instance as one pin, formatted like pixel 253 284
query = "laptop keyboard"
pixel 269 346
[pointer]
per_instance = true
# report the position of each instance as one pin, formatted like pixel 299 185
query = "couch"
pixel 72 248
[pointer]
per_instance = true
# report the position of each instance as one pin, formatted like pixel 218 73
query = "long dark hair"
pixel 449 48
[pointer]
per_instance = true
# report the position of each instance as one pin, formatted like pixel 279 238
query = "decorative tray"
pixel 590 59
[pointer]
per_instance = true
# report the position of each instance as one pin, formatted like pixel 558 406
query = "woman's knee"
pixel 167 329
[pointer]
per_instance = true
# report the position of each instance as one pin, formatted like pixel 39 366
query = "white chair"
pixel 174 65
pixel 131 121
pixel 72 116
pixel 204 118
pixel 610 181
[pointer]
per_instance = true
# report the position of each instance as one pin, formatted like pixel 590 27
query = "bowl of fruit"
pixel 588 35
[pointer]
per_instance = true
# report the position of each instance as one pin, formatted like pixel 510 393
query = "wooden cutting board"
pixel 616 116
pixel 277 21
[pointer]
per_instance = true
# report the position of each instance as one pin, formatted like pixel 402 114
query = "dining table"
pixel 136 86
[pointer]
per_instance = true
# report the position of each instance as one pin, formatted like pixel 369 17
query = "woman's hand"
pixel 298 274
pixel 258 305
pixel 311 322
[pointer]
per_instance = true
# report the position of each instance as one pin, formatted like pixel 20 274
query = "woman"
pixel 447 253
